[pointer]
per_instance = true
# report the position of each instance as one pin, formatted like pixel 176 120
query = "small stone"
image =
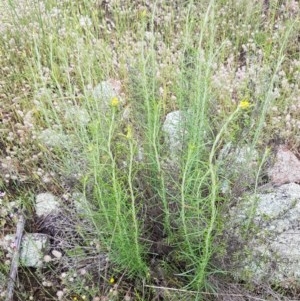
pixel 47 283
pixel 60 295
pixel 47 258
pixel 63 275
pixel 56 254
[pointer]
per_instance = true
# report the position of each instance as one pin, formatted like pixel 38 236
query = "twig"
pixel 15 260
pixel 204 293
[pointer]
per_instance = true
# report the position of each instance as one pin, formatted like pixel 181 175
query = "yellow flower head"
pixel 115 102
pixel 244 104
pixel 112 280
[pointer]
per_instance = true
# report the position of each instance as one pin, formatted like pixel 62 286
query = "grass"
pixel 154 212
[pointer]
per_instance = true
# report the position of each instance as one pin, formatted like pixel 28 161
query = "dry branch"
pixel 15 260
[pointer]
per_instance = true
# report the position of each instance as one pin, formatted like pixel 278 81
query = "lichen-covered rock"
pixel 54 138
pixel 76 115
pixel 3 279
pixel 174 131
pixel 239 166
pixel 105 91
pixel 80 202
pixel 33 248
pixel 264 238
pixel 239 155
pixel 46 203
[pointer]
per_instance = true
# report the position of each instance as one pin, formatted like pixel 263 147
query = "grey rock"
pixel 3 279
pixel 33 248
pixel 45 204
pixel 54 138
pixel 263 236
pixel 239 166
pixel 7 243
pixel 81 203
pixel 77 115
pixel 140 154
pixel 174 131
pixel 74 162
pixel 245 155
pixel 239 156
pixel 105 91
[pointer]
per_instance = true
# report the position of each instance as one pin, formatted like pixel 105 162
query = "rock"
pixel 53 138
pixel 105 91
pixel 6 243
pixel 263 237
pixel 74 161
pixel 246 155
pixel 56 254
pixel 140 154
pixel 33 248
pixel 174 131
pixel 239 166
pixel 76 115
pixel 286 168
pixel 3 279
pixel 238 156
pixel 45 204
pixel 81 203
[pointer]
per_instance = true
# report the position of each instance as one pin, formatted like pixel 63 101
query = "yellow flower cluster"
pixel 115 102
pixel 244 104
